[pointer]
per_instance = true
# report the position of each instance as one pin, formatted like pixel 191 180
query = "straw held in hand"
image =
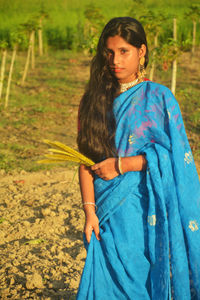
pixel 62 153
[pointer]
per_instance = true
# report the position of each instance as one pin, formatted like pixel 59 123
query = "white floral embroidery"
pixel 152 220
pixel 135 100
pixel 132 139
pixel 188 157
pixel 193 225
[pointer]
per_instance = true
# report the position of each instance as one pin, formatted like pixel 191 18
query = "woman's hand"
pixel 107 169
pixel 91 223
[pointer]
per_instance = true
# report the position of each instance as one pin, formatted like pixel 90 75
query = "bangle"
pixel 120 166
pixel 90 203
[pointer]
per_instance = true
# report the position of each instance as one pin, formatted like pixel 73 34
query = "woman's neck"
pixel 124 86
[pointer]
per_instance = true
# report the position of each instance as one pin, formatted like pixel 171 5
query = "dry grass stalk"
pixel 61 153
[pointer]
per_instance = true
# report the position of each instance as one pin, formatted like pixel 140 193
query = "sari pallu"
pixel 149 220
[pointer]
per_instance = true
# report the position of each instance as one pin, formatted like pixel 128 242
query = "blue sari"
pixel 149 220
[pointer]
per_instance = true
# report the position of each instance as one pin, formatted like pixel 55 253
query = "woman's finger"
pixel 95 167
pixel 96 231
pixel 88 233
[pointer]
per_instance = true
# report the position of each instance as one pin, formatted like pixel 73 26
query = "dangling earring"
pixel 142 72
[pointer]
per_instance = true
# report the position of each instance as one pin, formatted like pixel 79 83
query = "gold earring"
pixel 142 60
pixel 142 72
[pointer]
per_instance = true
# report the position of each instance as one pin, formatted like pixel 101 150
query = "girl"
pixel 142 197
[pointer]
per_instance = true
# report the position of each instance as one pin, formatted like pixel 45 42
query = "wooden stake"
pixel 3 64
pixel 40 41
pixel 27 60
pixel 194 36
pixel 10 75
pixel 33 50
pixel 174 64
pixel 153 63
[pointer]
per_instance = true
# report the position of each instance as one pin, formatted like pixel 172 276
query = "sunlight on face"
pixel 124 58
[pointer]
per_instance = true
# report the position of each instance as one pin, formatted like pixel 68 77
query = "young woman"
pixel 142 197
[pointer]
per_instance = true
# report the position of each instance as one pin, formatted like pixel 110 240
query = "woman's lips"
pixel 117 70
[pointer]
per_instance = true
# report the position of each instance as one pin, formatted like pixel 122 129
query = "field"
pixel 41 217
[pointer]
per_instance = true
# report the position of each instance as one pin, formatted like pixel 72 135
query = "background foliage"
pixel 66 22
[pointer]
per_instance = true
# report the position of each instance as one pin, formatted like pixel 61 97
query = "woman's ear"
pixel 142 50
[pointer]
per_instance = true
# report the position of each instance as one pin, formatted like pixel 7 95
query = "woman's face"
pixel 124 58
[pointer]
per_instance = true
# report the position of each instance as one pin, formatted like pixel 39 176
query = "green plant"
pixel 93 25
pixel 193 13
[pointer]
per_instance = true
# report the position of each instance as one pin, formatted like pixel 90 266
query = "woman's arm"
pixel 108 169
pixel 133 163
pixel 87 192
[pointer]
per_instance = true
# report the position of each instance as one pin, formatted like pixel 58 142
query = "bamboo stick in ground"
pixel 40 40
pixel 153 63
pixel 3 64
pixel 33 50
pixel 194 36
pixel 10 75
pixel 174 64
pixel 27 59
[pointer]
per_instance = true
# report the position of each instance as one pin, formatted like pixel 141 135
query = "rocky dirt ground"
pixel 41 247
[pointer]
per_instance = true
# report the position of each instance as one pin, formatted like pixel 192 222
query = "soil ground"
pixel 41 218
pixel 41 247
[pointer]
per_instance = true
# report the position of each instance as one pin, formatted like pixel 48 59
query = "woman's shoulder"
pixel 157 86
pixel 159 94
pixel 159 90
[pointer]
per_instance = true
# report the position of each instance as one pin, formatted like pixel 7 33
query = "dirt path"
pixel 41 246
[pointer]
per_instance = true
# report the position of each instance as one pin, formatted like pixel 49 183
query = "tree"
pixel 138 9
pixel 30 27
pixel 152 23
pixel 16 39
pixel 41 16
pixel 168 55
pixel 93 26
pixel 193 14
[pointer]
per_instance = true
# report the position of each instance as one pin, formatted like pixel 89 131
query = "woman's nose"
pixel 115 59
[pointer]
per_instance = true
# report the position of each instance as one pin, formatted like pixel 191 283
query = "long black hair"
pixel 97 124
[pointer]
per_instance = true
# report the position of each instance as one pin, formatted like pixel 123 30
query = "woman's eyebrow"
pixel 120 48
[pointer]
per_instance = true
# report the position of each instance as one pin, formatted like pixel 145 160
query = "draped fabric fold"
pixel 149 220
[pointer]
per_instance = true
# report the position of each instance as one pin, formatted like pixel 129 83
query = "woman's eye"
pixel 123 51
